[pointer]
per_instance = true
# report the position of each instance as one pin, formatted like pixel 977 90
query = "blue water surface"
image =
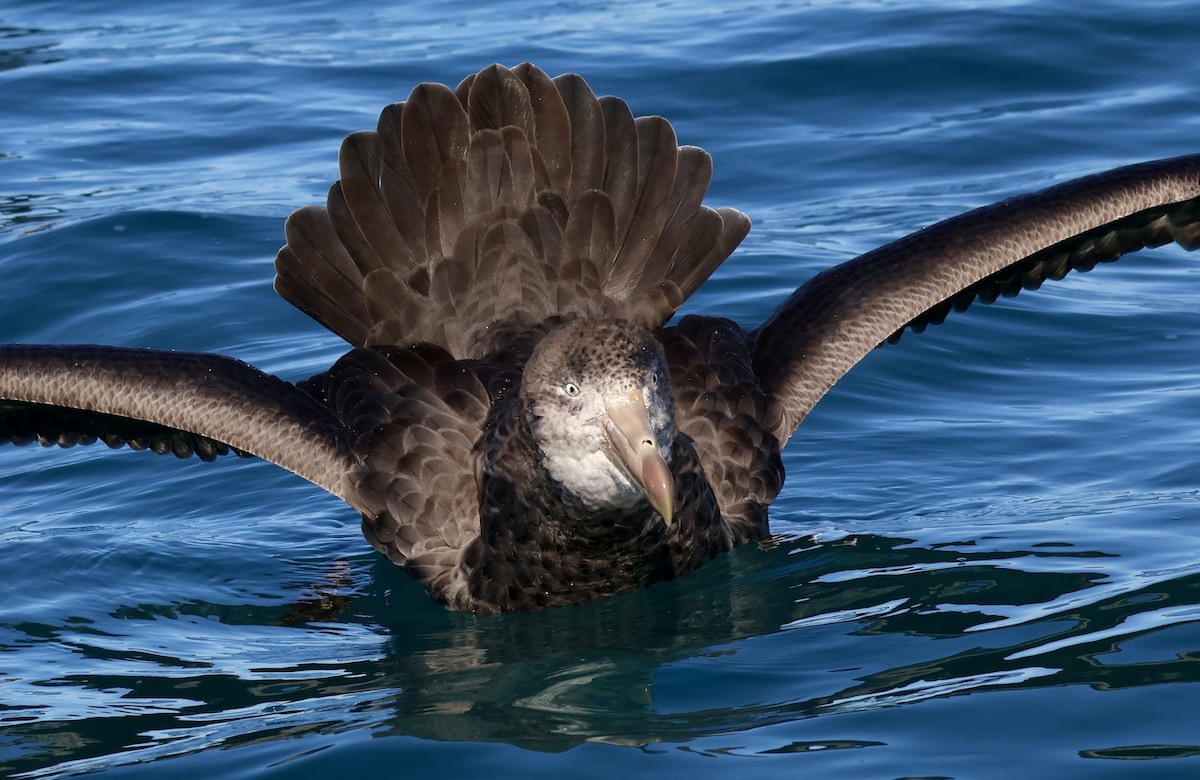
pixel 987 553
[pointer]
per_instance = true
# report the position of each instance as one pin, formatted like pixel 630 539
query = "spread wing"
pixel 24 423
pixel 178 402
pixel 469 216
pixel 835 319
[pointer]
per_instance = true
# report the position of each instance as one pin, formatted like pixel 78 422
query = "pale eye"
pixel 571 389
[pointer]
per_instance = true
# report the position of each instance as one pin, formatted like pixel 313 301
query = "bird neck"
pixel 523 500
pixel 540 546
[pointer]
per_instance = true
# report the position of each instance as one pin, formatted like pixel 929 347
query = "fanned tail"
pixel 471 216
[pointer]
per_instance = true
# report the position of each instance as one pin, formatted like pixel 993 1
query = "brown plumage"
pixel 515 422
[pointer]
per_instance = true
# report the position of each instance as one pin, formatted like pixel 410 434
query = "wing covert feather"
pixel 415 416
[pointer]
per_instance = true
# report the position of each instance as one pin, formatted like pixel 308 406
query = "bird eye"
pixel 571 389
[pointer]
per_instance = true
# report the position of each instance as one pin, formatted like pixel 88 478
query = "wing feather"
pixel 832 321
pixel 172 401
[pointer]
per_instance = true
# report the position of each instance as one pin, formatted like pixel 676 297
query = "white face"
pixel 600 405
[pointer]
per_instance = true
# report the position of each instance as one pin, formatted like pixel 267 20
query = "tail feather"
pixel 474 215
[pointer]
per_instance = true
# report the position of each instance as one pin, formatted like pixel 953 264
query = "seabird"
pixel 516 423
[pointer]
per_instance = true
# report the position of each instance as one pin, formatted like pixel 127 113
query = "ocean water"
pixel 987 552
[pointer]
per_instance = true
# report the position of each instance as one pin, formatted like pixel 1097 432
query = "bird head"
pixel 601 412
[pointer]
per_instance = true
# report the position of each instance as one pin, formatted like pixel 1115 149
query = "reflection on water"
pixel 388 660
pixel 22 47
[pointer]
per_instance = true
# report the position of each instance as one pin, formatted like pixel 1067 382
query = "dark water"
pixel 988 550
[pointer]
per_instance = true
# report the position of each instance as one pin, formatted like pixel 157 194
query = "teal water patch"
pixel 988 546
